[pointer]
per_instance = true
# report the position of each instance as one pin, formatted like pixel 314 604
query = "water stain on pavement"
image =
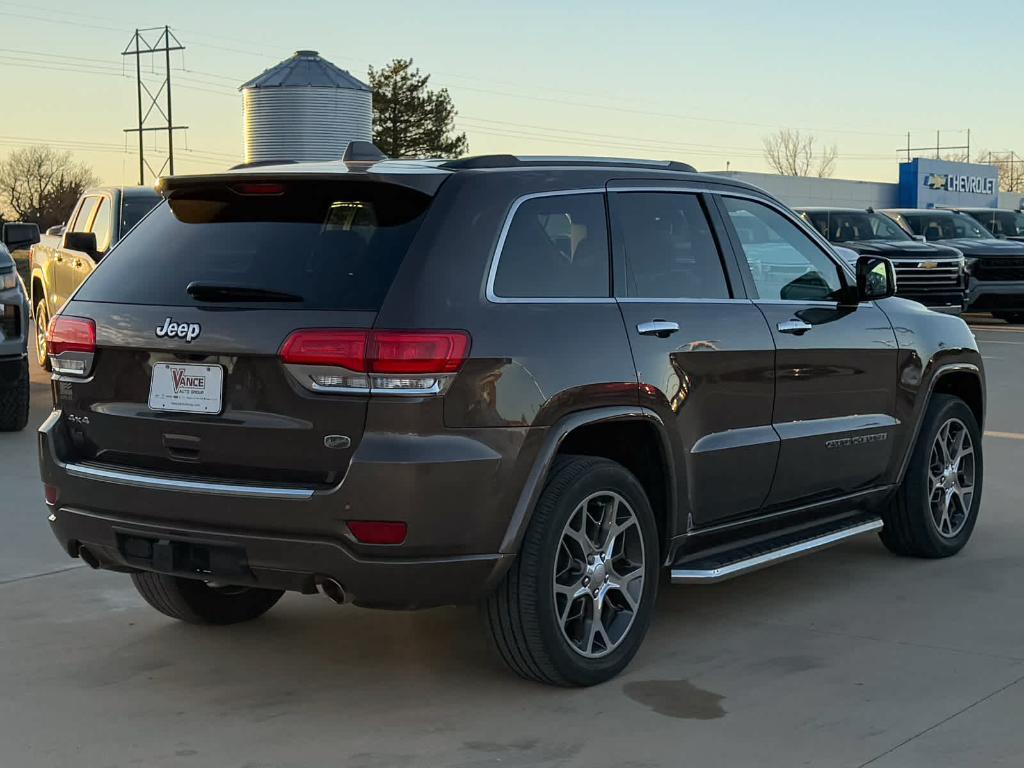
pixel 676 698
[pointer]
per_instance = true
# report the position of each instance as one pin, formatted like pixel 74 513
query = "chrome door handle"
pixel 660 328
pixel 797 327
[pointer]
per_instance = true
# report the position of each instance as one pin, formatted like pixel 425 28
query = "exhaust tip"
pixel 333 590
pixel 90 559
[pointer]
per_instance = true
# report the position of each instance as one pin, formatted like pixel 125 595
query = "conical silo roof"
pixel 306 69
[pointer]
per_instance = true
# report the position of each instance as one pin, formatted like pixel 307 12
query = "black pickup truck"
pixel 60 262
pixel 930 273
pixel 995 267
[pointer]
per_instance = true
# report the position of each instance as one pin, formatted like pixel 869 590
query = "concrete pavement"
pixel 851 657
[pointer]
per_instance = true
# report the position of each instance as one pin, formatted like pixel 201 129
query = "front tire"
pixel 14 396
pixel 935 509
pixel 195 602
pixel 42 321
pixel 576 603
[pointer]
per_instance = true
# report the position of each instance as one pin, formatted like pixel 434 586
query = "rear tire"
pixel 196 602
pixel 14 394
pixel 561 618
pixel 931 515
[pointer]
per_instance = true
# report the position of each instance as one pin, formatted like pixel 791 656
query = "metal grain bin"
pixel 305 108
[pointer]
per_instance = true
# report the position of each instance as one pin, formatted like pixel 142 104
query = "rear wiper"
pixel 226 292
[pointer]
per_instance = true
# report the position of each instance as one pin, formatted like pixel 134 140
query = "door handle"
pixel 78 263
pixel 60 259
pixel 660 328
pixel 794 326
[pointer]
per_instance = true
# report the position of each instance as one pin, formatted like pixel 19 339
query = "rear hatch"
pixel 191 313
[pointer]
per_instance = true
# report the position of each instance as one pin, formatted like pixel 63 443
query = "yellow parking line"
pixel 1007 435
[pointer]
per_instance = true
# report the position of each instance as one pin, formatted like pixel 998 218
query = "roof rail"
pixel 513 161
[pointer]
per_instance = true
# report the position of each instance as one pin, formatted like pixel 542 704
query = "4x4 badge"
pixel 173 330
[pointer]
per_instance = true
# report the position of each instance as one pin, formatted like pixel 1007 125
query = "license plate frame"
pixel 187 388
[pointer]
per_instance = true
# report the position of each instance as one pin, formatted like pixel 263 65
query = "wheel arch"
pixel 963 380
pixel 37 288
pixel 628 435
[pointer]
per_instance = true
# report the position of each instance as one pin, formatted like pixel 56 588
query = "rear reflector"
pixel 51 493
pixel 385 352
pixel 377 532
pixel 70 334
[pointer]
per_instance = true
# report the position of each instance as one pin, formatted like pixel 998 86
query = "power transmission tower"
pixel 939 149
pixel 144 43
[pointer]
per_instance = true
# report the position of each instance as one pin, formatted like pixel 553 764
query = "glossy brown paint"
pixel 464 469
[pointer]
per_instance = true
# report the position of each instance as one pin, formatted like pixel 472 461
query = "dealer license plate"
pixel 186 388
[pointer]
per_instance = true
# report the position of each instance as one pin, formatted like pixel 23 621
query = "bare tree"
pixel 1011 169
pixel 790 153
pixel 41 184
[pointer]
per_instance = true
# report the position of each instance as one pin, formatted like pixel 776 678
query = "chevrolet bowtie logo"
pixel 927 264
pixel 935 181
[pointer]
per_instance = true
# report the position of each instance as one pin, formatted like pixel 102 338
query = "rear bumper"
pixel 448 491
pixel 996 295
pixel 278 562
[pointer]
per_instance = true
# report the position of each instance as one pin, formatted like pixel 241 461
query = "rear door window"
pixel 327 245
pixel 556 246
pixel 101 225
pixel 667 248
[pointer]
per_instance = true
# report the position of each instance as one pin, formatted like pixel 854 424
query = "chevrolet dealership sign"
pixel 937 183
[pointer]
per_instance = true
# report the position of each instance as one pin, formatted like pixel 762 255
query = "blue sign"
pixel 940 183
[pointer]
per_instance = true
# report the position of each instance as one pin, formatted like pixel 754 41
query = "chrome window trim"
pixel 492 271
pixel 188 486
pixel 816 237
pixel 643 300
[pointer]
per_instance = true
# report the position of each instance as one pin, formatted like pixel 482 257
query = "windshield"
pixel 946 226
pixel 1001 223
pixel 848 226
pixel 326 245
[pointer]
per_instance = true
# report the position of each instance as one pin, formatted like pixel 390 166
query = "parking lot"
pixel 851 657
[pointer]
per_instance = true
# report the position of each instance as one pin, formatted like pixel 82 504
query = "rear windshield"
pixel 133 208
pixel 326 245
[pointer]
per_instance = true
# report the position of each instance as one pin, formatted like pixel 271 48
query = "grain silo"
pixel 305 108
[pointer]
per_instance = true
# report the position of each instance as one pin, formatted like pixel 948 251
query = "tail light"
pixel 394 362
pixel 71 344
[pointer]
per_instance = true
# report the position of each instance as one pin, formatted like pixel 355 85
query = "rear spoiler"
pixel 421 177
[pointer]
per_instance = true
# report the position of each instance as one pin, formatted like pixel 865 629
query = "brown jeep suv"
pixel 528 383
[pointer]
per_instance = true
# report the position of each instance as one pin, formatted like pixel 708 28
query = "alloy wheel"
pixel 599 574
pixel 951 478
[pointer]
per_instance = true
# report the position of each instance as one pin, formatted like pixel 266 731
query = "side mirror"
pixel 920 238
pixel 876 278
pixel 19 235
pixel 80 241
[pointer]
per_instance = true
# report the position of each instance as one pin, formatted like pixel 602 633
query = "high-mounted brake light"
pixel 400 362
pixel 253 188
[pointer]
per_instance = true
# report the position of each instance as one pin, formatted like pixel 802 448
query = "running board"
pixel 725 565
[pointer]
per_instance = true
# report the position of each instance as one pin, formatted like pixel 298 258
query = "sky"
pixel 701 82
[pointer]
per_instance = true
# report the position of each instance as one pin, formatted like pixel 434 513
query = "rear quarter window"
pixel 335 245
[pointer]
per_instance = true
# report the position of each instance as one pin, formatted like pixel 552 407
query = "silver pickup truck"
pixel 14 329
